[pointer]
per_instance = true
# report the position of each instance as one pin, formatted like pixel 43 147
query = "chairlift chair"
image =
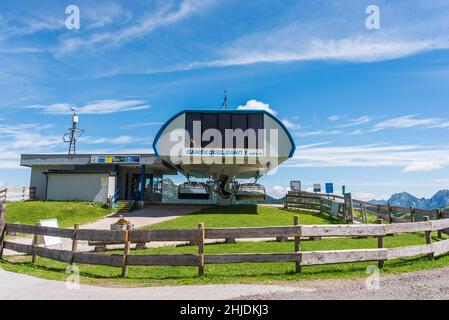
pixel 193 191
pixel 250 191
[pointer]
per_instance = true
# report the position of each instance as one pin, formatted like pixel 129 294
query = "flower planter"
pixel 120 227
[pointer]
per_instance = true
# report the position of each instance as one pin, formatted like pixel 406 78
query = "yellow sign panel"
pixel 108 159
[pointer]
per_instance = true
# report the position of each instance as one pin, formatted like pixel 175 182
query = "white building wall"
pixel 37 179
pixel 78 187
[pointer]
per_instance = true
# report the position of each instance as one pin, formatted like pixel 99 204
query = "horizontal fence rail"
pixel 17 194
pixel 198 237
pixel 347 208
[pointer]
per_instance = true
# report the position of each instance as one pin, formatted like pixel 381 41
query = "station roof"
pixel 148 159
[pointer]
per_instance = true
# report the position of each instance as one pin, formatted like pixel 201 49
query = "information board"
pixel 108 159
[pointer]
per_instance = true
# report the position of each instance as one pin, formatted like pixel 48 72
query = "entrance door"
pixel 135 187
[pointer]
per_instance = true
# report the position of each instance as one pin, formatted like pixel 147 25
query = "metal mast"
pixel 225 101
pixel 74 133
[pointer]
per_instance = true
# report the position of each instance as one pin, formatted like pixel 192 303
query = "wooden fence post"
pixel 390 217
pixel 74 243
pixel 126 252
pixel 6 195
pixel 412 214
pixel 2 227
pixel 380 244
pixel 429 238
pixel 297 244
pixel 439 214
pixel 348 208
pixel 34 257
pixel 201 236
pixel 363 213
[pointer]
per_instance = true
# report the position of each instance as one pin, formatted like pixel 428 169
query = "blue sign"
pixel 329 188
pixel 316 187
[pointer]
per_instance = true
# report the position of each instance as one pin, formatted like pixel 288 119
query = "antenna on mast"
pixel 74 133
pixel 225 101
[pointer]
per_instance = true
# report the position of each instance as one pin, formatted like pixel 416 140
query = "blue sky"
pixel 367 108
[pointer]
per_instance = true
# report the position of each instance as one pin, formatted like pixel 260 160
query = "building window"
pixel 157 184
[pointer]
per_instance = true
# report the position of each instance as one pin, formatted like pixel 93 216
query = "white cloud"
pixel 256 105
pixel 334 118
pixel 423 166
pixel 363 195
pixel 411 158
pixel 278 191
pixel 110 140
pixel 165 15
pixel 356 122
pixel 318 133
pixel 410 121
pixel 25 138
pixel 354 49
pixel 290 124
pixel 97 107
pixel 144 124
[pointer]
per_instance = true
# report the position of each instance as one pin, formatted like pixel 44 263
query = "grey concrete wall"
pixel 78 187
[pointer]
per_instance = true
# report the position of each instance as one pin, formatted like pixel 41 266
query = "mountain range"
pixel 405 199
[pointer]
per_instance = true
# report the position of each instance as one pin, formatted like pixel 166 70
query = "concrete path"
pixel 151 214
pixel 15 286
pixel 419 285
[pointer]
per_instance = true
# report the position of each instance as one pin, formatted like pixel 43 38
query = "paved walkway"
pixel 151 214
pixel 419 285
pixel 15 286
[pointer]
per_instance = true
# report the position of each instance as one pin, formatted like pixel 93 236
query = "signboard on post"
pixel 47 240
pixel 316 187
pixel 295 186
pixel 329 188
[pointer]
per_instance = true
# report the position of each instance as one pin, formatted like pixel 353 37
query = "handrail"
pixel 115 197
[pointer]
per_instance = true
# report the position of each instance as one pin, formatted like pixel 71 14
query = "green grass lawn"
pixel 67 213
pixel 235 273
pixel 244 216
pixel 232 273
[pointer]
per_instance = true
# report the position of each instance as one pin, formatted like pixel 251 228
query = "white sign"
pixel 50 241
pixel 295 185
pixel 104 181
pixel 217 152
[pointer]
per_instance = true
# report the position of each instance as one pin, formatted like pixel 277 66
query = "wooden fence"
pixel 17 194
pixel 201 258
pixel 358 210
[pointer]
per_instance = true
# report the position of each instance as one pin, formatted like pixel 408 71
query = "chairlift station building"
pixel 101 177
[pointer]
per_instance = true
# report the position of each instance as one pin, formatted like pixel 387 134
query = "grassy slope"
pixel 235 273
pixel 243 216
pixel 67 213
